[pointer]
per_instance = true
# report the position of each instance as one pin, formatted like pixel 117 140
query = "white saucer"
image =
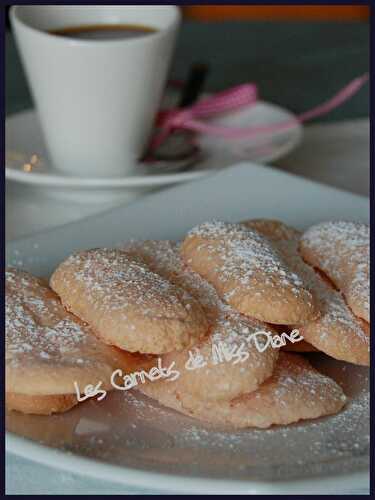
pixel 24 141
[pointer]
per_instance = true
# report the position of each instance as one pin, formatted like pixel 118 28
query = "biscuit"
pixel 48 349
pixel 248 273
pixel 229 362
pixel 296 346
pixel 40 405
pixel 163 257
pixel 337 332
pixel 342 251
pixel 365 326
pixel 296 391
pixel 126 304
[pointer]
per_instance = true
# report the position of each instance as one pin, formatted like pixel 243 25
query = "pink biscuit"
pixel 338 332
pixel 229 332
pixel 296 391
pixel 342 251
pixel 248 273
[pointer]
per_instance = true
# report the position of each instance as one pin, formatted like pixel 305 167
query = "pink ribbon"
pixel 235 98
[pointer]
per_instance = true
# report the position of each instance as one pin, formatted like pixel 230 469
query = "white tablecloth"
pixel 334 154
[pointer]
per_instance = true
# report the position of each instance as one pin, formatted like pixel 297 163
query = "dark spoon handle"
pixel 193 85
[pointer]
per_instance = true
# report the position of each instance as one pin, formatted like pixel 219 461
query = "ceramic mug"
pixel 96 99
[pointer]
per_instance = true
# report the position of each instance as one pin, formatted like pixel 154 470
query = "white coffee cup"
pixel 96 99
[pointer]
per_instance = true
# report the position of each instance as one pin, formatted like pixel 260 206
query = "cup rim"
pixel 15 19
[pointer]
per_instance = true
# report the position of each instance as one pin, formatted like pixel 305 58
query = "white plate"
pixel 132 440
pixel 24 139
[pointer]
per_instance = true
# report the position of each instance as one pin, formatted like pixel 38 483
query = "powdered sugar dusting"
pixel 114 280
pixel 336 318
pixel 163 258
pixel 228 326
pixel 36 322
pixel 294 374
pixel 343 252
pixel 245 252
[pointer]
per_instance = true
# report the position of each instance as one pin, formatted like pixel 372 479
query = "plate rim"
pixel 240 165
pixel 134 477
pixel 52 180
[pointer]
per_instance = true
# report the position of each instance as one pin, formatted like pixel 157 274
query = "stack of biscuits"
pixel 187 305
